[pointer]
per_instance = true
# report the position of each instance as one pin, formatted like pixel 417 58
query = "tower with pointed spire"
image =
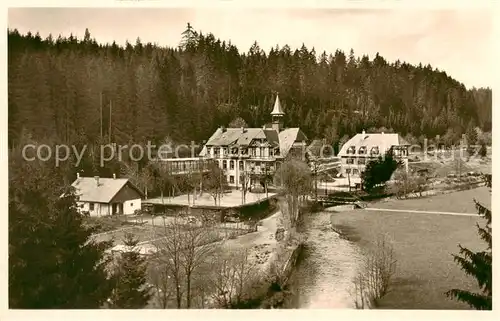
pixel 277 115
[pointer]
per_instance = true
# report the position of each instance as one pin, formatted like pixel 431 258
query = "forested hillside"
pixel 56 86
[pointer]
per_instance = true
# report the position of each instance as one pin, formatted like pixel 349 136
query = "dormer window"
pixel 362 150
pixel 374 150
pixel 351 150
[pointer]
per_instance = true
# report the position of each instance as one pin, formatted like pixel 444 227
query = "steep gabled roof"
pixel 88 191
pixel 239 137
pixel 289 136
pixel 382 141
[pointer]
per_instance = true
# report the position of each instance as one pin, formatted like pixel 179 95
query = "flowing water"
pixel 323 276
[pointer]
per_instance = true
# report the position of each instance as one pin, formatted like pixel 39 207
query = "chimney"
pixel 382 133
pixel 363 132
pixel 77 175
pixel 223 129
pixel 114 176
pixel 97 180
pixel 242 129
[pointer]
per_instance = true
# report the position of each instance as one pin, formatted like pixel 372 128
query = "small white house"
pixel 107 196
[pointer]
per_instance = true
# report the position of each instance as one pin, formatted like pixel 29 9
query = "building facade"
pixel 362 148
pixel 247 153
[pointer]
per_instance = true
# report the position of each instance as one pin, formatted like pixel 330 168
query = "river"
pixel 323 276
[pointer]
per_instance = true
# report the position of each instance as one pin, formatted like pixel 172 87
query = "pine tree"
pixel 53 261
pixel 477 264
pixel 378 171
pixel 131 290
pixel 471 134
pixel 189 37
pixel 483 150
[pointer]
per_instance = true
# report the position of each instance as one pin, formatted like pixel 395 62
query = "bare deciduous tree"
pixel 295 178
pixel 159 275
pixel 245 181
pixel 169 250
pixel 183 249
pixel 405 183
pixel 232 279
pixel 374 279
pixel 198 248
pixel 215 182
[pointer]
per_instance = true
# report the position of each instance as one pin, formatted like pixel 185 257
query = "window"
pixel 348 171
pixel 231 179
pixel 354 171
pixel 241 165
pixel 91 206
pixel 362 150
pixel 231 164
pixel 349 160
pixel 374 150
pixel 209 150
pixel 271 152
pixel 351 150
pixel 224 164
pixel 361 161
pixel 131 204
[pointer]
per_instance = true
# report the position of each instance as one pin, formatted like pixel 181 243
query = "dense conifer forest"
pixel 56 87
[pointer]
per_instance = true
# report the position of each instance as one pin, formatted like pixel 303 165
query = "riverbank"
pixel 423 244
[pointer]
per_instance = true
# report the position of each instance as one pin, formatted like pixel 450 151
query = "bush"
pixel 405 184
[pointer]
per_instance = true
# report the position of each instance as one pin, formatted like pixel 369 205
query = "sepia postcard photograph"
pixel 238 157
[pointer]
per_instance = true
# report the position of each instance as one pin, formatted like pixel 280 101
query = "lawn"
pixel 460 202
pixel 423 244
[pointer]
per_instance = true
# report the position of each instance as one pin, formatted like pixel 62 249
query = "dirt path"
pixel 414 211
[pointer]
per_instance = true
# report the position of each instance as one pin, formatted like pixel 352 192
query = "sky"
pixel 456 41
